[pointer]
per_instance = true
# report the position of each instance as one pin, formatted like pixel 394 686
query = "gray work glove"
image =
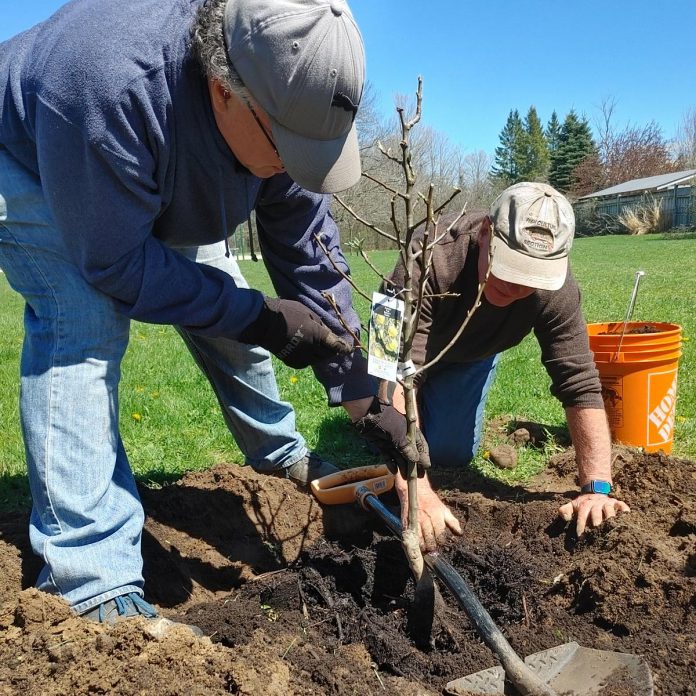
pixel 386 428
pixel 293 333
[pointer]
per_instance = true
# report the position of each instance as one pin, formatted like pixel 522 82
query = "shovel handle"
pixel 516 671
pixel 340 488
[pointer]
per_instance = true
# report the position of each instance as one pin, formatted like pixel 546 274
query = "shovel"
pixel 566 670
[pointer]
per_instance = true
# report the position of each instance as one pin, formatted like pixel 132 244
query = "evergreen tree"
pixel 536 150
pixel 553 133
pixel 574 145
pixel 509 155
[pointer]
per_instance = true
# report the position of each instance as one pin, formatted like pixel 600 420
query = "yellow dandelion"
pixel 294 380
pixel 136 417
pixel 486 454
pixel 139 389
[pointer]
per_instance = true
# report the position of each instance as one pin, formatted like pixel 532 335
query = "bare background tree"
pixel 475 181
pixel 632 152
pixel 685 141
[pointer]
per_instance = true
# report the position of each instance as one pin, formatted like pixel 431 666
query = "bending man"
pixel 135 137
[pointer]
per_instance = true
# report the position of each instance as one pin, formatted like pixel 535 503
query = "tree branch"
pixel 385 280
pixel 442 206
pixel 332 301
pixel 388 154
pixel 381 183
pixel 380 232
pixel 424 259
pixel 460 331
pixel 442 294
pixel 343 274
pixel 449 228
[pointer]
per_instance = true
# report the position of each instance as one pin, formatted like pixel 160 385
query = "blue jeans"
pixel 86 521
pixel 451 405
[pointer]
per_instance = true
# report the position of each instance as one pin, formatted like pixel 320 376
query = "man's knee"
pixel 449 455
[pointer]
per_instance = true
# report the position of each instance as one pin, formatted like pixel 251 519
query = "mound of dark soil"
pixel 296 600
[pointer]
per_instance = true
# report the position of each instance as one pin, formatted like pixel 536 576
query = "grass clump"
pixel 643 218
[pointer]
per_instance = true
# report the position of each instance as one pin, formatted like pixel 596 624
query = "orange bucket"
pixel 639 381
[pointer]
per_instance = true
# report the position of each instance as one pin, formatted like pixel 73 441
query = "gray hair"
pixel 208 40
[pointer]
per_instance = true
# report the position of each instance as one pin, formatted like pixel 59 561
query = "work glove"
pixel 386 428
pixel 293 333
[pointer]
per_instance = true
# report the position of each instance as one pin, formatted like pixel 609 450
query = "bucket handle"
pixel 629 312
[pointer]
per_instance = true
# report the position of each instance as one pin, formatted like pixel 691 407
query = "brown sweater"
pixel 555 317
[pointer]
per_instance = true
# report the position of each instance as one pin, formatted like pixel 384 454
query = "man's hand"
pixel 293 333
pixel 591 509
pixel 386 429
pixel 434 517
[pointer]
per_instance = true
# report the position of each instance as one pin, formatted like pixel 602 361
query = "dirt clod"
pixel 519 437
pixel 504 456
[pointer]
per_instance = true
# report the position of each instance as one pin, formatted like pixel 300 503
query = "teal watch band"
pixel 596 486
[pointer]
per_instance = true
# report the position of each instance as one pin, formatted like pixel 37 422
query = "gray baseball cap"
pixel 303 61
pixel 533 228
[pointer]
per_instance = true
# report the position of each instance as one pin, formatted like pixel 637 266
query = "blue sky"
pixel 479 60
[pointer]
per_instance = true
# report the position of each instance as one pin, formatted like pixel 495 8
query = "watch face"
pixel 601 487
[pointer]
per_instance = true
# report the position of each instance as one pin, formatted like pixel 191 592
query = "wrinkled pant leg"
pixel 452 402
pixel 86 520
pixel 243 380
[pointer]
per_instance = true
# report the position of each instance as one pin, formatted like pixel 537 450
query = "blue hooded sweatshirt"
pixel 107 105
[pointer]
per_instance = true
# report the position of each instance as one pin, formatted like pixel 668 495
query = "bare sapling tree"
pixel 415 229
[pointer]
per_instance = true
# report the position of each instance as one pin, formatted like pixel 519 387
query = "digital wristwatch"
pixel 596 486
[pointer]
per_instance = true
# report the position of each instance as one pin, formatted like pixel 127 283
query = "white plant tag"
pixel 406 369
pixel 386 320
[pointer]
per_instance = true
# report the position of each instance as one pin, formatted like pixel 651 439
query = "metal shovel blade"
pixel 568 669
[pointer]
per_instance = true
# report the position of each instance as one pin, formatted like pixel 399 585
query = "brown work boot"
pixel 305 470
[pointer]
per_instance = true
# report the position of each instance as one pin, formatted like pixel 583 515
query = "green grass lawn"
pixel 170 421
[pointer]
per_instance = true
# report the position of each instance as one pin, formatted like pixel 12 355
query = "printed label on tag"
pixel 386 319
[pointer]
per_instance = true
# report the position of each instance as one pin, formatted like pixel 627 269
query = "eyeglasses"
pixel 263 130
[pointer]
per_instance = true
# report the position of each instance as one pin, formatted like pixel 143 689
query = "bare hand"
pixel 434 517
pixel 591 509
